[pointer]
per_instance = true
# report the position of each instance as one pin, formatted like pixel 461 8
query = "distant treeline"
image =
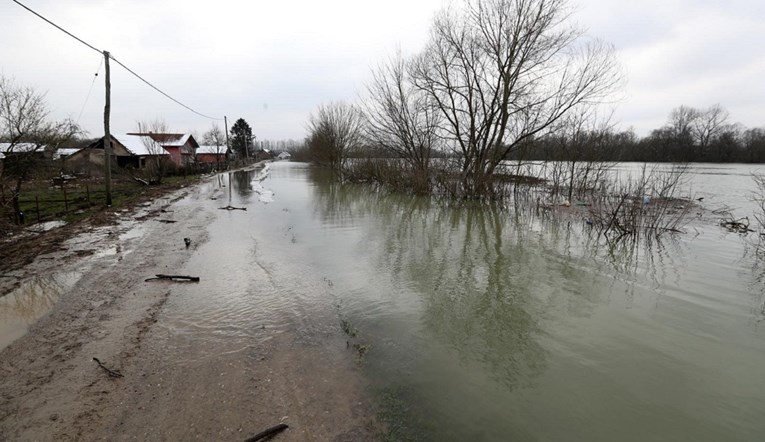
pixel 690 135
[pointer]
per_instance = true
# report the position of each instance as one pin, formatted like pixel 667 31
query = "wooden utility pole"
pixel 225 124
pixel 107 135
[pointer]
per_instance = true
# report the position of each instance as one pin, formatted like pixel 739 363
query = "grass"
pixel 81 199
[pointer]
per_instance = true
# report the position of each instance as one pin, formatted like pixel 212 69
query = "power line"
pixel 58 27
pixel 160 91
pixel 115 60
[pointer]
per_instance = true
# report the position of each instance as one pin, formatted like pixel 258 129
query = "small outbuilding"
pixel 211 154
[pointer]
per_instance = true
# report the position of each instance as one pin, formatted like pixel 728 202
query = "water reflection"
pixel 503 318
pixel 32 300
pixel 241 182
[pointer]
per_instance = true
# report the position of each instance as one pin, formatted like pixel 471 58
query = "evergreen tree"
pixel 241 139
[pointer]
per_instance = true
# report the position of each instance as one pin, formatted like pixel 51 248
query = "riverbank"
pixel 52 389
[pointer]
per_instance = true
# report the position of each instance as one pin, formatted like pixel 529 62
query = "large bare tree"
pixel 502 71
pixel 31 137
pixel 401 118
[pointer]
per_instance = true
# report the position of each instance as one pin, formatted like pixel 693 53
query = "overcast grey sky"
pixel 272 63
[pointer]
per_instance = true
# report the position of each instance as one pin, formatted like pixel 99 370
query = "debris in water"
pixel 187 241
pixel 233 208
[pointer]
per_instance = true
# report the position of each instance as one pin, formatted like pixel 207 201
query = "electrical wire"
pixel 161 92
pixel 93 83
pixel 58 27
pixel 116 61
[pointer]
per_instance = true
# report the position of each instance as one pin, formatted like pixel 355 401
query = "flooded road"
pixel 323 306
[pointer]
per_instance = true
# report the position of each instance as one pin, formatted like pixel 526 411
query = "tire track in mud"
pixel 50 386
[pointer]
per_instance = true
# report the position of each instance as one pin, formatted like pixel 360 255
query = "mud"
pixel 51 389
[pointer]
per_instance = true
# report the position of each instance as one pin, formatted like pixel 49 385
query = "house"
pixel 284 156
pixel 11 153
pixel 134 150
pixel 211 154
pixel 10 149
pixel 181 147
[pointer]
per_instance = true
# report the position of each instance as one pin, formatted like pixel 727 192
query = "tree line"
pixel 690 135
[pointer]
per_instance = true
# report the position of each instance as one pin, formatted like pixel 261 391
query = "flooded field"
pixel 489 325
pixel 465 323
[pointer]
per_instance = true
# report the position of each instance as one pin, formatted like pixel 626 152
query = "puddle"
pixel 31 301
pixel 44 227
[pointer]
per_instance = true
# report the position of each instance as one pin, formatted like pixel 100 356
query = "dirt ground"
pixel 52 389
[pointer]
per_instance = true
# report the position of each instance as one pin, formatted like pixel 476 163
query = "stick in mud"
pixel 178 278
pixel 111 373
pixel 265 433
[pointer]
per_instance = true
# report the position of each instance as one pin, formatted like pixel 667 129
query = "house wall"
pixel 175 155
pixel 211 158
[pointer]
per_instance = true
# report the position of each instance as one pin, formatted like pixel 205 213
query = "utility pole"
pixel 107 135
pixel 228 147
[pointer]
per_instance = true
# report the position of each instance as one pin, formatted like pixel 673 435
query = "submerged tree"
pixel 335 132
pixel 503 71
pixel 401 118
pixel 241 139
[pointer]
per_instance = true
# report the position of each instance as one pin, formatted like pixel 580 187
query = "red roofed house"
pixel 181 147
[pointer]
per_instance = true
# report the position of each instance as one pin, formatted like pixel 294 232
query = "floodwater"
pixel 487 324
pixel 34 298
pixel 484 324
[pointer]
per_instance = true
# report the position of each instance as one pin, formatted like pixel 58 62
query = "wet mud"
pixel 192 368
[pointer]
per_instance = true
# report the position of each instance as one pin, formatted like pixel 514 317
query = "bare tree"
pixel 215 137
pixel 754 144
pixel 581 137
pixel 502 71
pixel 157 163
pixel 401 118
pixel 30 136
pixel 709 124
pixel 336 130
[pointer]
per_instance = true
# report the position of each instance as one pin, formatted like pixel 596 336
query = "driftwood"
pixel 177 278
pixel 111 373
pixel 266 433
pixel 167 221
pixel 233 208
pixel 740 225
pixel 141 180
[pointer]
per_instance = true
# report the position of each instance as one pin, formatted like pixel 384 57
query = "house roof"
pixel 214 150
pixel 135 144
pixel 169 140
pixel 65 152
pixel 19 147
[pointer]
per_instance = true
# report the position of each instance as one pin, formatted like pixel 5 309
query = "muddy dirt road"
pixel 223 373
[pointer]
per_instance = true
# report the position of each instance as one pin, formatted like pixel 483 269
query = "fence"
pixel 53 203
